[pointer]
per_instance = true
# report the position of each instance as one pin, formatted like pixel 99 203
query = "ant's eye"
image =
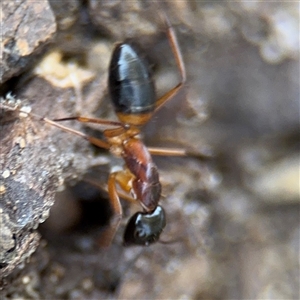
pixel 140 232
pixel 145 228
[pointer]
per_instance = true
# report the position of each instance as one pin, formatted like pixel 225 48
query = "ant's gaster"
pixel 132 92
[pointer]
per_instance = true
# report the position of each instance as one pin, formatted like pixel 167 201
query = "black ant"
pixel 132 92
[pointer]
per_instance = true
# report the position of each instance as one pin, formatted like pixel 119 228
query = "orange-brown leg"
pixel 95 141
pixel 123 178
pixel 168 151
pixel 180 152
pixel 111 132
pixel 91 120
pixel 109 232
pixel 179 61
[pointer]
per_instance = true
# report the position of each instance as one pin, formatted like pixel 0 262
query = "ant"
pixel 132 92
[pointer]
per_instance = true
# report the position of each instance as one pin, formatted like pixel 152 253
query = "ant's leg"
pixel 123 178
pixel 167 151
pixel 91 120
pixel 109 232
pixel 95 141
pixel 179 152
pixel 108 132
pixel 180 64
pixel 104 188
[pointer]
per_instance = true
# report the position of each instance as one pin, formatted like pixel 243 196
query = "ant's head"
pixel 144 228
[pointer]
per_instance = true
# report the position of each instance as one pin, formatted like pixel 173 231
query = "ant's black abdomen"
pixel 130 83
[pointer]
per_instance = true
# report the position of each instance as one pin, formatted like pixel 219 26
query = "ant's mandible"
pixel 132 92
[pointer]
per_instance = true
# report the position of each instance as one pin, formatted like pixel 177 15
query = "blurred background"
pixel 233 211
